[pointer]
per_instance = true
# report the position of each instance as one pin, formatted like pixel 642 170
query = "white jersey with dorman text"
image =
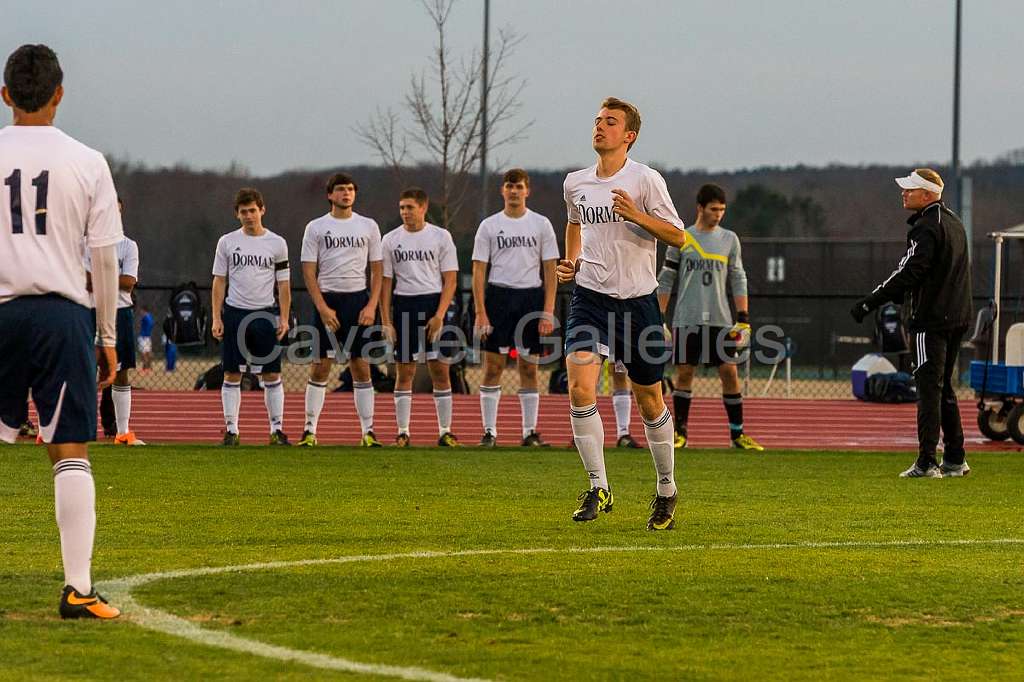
pixel 341 249
pixel 127 264
pixel 415 260
pixel 515 248
pixel 618 257
pixel 56 195
pixel 252 265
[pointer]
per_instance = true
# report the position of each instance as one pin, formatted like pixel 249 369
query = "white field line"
pixel 119 591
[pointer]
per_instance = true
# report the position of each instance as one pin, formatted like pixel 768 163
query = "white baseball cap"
pixel 915 181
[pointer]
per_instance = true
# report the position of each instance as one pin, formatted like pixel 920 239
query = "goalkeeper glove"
pixel 740 332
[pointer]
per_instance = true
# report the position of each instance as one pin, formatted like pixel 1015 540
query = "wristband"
pixel 743 316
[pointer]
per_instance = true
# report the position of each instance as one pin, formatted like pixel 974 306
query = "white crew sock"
pixel 529 401
pixel 315 394
pixel 363 396
pixel 231 399
pixel 588 432
pixel 443 405
pixel 403 410
pixel 122 397
pixel 273 398
pixel 622 401
pixel 659 435
pixel 74 496
pixel 490 396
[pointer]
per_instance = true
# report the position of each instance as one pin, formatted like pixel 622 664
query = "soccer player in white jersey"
pixel 248 263
pixel 618 210
pixel 420 267
pixel 55 192
pixel 336 249
pixel 509 297
pixel 121 391
pixel 703 330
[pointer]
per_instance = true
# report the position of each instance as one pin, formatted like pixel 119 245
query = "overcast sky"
pixel 721 84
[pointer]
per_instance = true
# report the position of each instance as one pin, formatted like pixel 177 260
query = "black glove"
pixel 860 310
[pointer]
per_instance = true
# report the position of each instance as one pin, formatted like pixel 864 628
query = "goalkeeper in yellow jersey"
pixel 703 329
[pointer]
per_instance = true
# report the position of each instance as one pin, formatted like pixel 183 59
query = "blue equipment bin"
pixel 1001 379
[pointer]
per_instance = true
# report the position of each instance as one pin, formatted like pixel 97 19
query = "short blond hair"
pixel 930 175
pixel 632 114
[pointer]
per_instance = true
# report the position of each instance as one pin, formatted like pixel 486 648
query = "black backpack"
pixel 895 387
pixel 186 317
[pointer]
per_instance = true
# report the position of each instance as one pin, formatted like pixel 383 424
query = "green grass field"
pixel 783 566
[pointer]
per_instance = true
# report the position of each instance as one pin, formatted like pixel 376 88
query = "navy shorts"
pixel 47 345
pixel 125 338
pixel 409 314
pixel 258 352
pixel 702 345
pixel 351 336
pixel 506 308
pixel 627 330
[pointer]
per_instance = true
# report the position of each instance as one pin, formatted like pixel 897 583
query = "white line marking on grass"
pixel 119 591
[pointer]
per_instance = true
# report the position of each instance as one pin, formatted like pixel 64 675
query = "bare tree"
pixel 444 103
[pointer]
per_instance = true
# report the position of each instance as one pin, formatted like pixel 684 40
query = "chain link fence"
pixel 803 289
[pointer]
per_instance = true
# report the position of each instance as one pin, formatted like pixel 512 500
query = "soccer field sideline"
pixel 193 417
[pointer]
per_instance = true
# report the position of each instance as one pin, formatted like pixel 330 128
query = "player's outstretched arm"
pixel 385 308
pixel 104 268
pixel 481 323
pixel 284 299
pixel 217 293
pixel 369 313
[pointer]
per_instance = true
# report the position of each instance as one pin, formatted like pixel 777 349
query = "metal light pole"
pixel 956 114
pixel 485 191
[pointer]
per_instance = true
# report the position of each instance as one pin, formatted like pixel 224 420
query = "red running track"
pixel 169 417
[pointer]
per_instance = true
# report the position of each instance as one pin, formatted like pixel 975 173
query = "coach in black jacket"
pixel 936 275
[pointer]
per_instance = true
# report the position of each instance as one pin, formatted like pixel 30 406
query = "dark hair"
pixel 632 114
pixel 414 193
pixel 248 195
pixel 515 175
pixel 708 193
pixel 340 179
pixel 32 75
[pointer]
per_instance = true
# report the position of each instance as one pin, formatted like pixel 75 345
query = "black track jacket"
pixel 935 273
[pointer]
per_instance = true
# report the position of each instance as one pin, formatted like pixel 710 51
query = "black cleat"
pixel 627 441
pixel 92 605
pixel 533 440
pixel 488 440
pixel 663 511
pixel 591 502
pixel 448 440
pixel 28 430
pixel 278 438
pixel 231 438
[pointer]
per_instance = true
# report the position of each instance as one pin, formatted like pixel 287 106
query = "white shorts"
pixel 145 344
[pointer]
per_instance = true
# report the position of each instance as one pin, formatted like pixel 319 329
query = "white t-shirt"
pixel 515 248
pixel 415 260
pixel 341 248
pixel 63 195
pixel 252 265
pixel 618 256
pixel 127 264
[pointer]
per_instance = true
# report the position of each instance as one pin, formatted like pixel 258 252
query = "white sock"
pixel 273 398
pixel 315 394
pixel 403 410
pixel 622 401
pixel 529 400
pixel 122 396
pixel 659 435
pixel 490 396
pixel 588 432
pixel 363 395
pixel 443 405
pixel 74 496
pixel 231 399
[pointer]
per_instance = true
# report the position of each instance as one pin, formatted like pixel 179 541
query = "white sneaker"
pixel 917 472
pixel 955 470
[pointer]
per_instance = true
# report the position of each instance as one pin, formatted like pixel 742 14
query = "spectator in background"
pixel 146 338
pixel 170 354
